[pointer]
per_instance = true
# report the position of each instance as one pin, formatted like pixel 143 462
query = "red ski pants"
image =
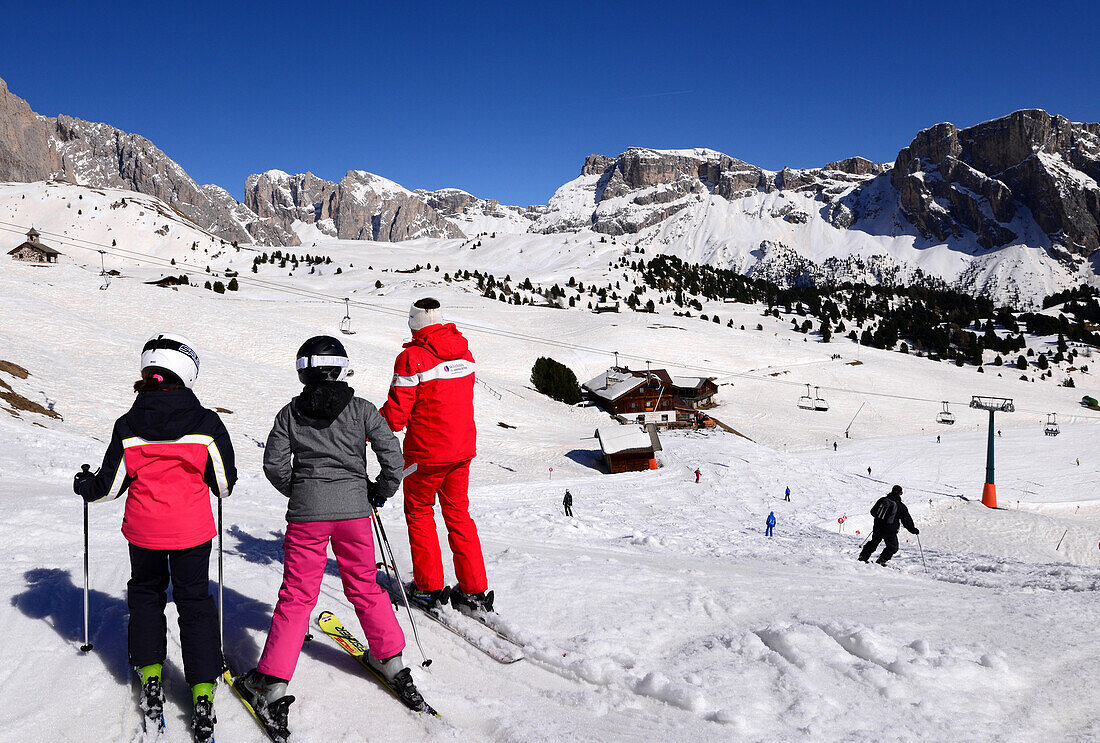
pixel 451 483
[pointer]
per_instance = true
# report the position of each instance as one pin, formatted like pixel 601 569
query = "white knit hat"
pixel 424 312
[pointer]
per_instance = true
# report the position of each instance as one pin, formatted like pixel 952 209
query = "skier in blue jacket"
pixel 771 524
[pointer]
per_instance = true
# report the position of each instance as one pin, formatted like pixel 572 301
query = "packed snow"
pixel 660 612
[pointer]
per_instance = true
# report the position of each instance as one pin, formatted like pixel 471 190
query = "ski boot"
pixel 472 604
pixel 427 600
pixel 399 678
pixel 152 696
pixel 202 715
pixel 268 697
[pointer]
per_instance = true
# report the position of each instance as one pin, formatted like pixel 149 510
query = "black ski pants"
pixel 881 533
pixel 568 510
pixel 147 595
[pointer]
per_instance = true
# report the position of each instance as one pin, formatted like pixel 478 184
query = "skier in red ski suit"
pixel 432 396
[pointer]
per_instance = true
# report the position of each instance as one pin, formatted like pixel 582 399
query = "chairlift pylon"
pixel 819 401
pixel 345 324
pixel 1051 427
pixel 806 402
pixel 945 415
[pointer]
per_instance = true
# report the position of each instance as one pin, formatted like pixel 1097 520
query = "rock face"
pixel 642 188
pixel 979 178
pixel 25 153
pixel 362 206
pixel 34 148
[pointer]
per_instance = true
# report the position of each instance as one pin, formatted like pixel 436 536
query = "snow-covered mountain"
pixel 132 227
pixel 1009 209
pixel 362 206
pixel 39 148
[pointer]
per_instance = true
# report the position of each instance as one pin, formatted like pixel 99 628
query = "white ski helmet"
pixel 173 352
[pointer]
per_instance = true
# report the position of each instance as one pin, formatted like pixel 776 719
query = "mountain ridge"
pixel 1008 207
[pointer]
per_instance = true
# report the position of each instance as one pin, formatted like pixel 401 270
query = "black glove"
pixel 82 477
pixel 374 494
pixel 916 531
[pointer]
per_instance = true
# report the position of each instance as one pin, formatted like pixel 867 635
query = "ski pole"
pixel 921 552
pixel 401 585
pixel 221 612
pixel 87 644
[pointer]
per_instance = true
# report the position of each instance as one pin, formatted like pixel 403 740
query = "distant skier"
pixel 770 523
pixel 432 397
pixel 170 452
pixel 698 474
pixel 787 494
pixel 834 446
pixel 316 456
pixel 937 438
pixel 868 472
pixel 890 513
pixel 567 502
pixel 1078 461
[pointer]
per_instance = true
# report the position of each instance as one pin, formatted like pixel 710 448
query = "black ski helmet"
pixel 322 359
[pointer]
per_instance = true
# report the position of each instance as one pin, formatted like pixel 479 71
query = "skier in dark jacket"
pixel 168 453
pixel 890 513
pixel 567 501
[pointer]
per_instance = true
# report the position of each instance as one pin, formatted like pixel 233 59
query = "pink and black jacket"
pixel 169 452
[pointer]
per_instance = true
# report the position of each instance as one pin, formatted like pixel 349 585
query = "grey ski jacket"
pixel 318 459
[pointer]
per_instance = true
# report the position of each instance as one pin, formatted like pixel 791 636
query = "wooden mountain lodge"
pixel 628 448
pixel 34 251
pixel 651 396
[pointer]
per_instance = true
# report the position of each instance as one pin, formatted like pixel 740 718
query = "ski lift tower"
pixel 993 405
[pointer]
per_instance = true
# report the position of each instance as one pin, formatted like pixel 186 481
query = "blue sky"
pixel 505 99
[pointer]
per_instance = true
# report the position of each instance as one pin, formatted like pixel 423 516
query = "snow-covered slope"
pixel 80 220
pixel 660 612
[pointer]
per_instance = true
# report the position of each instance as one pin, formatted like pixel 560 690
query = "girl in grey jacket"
pixel 316 455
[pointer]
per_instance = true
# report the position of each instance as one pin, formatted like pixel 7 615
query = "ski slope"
pixel 660 612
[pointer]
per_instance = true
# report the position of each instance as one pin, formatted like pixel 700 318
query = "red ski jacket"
pixel 169 452
pixel 433 394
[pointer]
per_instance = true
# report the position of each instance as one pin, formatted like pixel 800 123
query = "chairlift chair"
pixel 819 401
pixel 945 415
pixel 1051 428
pixel 806 402
pixel 345 324
pixel 103 271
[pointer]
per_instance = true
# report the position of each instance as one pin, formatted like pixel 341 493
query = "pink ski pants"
pixel 305 556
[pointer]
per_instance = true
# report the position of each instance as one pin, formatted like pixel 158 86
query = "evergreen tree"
pixel 555 380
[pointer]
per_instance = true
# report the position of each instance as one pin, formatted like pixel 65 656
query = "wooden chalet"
pixel 696 392
pixel 34 251
pixel 651 396
pixel 628 448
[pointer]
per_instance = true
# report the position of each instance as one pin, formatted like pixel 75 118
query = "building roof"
pixel 45 249
pixel 622 439
pixel 613 384
pixel 690 383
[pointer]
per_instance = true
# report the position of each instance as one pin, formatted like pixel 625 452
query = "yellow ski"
pixel 334 628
